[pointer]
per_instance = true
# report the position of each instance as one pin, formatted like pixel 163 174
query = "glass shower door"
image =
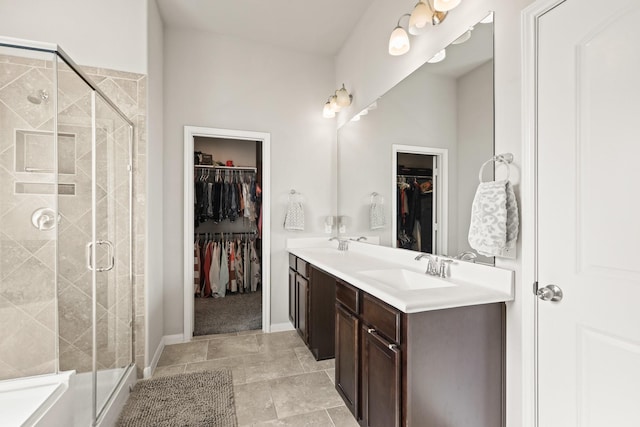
pixel 111 250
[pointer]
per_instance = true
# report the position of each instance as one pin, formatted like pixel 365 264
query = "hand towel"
pixel 494 219
pixel 376 212
pixel 294 218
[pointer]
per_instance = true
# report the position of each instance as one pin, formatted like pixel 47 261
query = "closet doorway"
pixel 419 198
pixel 226 231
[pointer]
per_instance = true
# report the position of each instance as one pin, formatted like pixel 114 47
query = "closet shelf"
pixel 237 168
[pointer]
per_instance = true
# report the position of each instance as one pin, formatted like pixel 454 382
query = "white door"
pixel 589 213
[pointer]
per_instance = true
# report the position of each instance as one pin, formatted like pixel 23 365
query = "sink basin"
pixel 399 278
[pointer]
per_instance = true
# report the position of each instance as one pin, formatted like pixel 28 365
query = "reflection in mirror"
pixel 420 148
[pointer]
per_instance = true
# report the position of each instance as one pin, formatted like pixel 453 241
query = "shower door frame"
pixel 128 375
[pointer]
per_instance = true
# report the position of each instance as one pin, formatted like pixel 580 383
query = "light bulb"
pixel 438 57
pixel 342 97
pixel 464 37
pixel 419 18
pixel 399 42
pixel 327 112
pixel 445 5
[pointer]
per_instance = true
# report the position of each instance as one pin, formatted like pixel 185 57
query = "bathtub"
pixel 62 399
pixel 41 401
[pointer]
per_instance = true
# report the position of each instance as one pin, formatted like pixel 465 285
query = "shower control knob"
pixel 44 219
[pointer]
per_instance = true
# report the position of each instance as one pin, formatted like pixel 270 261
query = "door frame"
pixel 441 188
pixel 529 201
pixel 265 138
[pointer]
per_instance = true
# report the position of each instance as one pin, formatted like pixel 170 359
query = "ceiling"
pixel 319 27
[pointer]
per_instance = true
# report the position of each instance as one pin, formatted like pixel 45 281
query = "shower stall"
pixel 66 296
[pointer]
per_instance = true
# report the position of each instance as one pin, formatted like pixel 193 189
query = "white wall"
pixel 109 34
pixel 154 241
pixel 222 82
pixel 366 67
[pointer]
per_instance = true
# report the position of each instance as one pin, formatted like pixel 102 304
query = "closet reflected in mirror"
pixel 227 235
pixel 442 111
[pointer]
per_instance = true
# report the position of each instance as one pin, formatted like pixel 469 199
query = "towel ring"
pixel 504 159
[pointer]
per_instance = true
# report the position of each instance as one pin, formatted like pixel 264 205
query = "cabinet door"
pixel 292 298
pixel 302 292
pixel 347 358
pixel 381 381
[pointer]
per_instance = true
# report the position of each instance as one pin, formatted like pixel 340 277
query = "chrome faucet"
pixel 467 256
pixel 433 268
pixel 343 244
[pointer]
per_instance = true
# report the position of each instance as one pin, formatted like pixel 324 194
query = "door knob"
pixel 550 293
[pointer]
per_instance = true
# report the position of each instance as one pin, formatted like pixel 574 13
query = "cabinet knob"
pixel 371 330
pixel 392 346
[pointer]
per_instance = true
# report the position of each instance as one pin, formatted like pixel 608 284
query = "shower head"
pixel 38 97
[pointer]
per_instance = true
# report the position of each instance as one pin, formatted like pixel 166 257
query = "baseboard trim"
pixel 280 327
pixel 165 340
pixel 173 339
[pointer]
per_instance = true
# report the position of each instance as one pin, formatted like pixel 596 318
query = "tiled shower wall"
pixel 27 287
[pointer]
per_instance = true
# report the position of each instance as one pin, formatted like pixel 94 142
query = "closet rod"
pixel 246 168
pixel 415 176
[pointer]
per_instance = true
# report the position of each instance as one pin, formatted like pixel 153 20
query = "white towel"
pixel 494 219
pixel 294 218
pixel 376 212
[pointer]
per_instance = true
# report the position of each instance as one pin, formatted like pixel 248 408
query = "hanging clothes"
pixel 214 272
pixel 256 274
pixel 238 266
pixel 224 270
pixel 196 267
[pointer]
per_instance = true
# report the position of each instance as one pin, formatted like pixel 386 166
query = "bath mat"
pixel 199 399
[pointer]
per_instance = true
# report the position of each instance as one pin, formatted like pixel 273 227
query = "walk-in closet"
pixel 415 206
pixel 227 243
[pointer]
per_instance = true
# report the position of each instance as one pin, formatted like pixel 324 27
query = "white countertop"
pixel 468 283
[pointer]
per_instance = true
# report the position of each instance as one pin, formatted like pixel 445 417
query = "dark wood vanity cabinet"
pixel 368 357
pixel 347 366
pixel 440 367
pixel 381 380
pixel 312 306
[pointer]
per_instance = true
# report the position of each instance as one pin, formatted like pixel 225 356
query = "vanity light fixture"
pixel 422 12
pixel 445 5
pixel 327 112
pixel 438 57
pixel 464 37
pixel 419 18
pixel 399 40
pixel 343 98
pixel 340 98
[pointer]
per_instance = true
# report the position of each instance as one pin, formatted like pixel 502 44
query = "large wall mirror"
pixel 408 169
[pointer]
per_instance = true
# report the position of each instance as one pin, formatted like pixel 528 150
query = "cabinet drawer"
pixel 347 295
pixel 292 261
pixel 385 319
pixel 302 267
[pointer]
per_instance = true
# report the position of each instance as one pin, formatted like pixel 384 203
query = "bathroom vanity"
pixel 413 349
pixel 312 294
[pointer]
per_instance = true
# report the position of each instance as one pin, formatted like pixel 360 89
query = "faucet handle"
pixel 443 267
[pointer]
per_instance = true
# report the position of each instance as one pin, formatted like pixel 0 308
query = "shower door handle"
pixel 110 256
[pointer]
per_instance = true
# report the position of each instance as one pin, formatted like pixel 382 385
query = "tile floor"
pixel 277 382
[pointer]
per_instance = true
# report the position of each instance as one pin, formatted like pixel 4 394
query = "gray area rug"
pixel 199 399
pixel 233 313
